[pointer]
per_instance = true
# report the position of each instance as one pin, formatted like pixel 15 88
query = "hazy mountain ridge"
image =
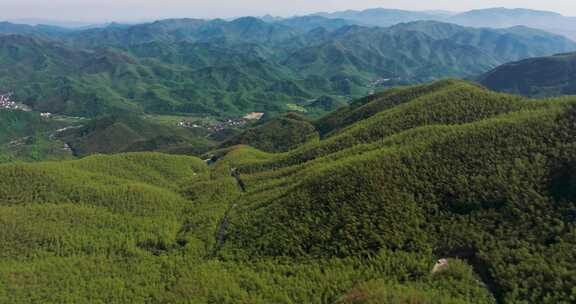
pixel 383 17
pixel 502 17
pixel 491 18
pixel 498 17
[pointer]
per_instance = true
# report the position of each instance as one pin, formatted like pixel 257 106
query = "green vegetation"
pixel 131 133
pixel 227 69
pixel 537 77
pixel 27 136
pixel 279 134
pixel 360 215
pixel 458 171
pixel 19 124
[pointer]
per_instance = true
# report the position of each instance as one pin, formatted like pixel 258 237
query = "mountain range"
pixel 228 68
pixel 491 18
pixel 331 158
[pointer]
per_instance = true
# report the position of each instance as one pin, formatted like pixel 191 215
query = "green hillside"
pixel 28 136
pixel 458 172
pixel 537 77
pixel 131 133
pixel 279 134
pixel 17 124
pixel 399 180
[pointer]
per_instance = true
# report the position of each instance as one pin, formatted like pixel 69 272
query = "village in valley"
pixel 7 102
pixel 222 125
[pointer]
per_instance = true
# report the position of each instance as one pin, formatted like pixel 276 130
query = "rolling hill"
pixel 279 134
pixel 539 77
pixel 26 136
pixel 447 170
pixel 131 133
pixel 368 186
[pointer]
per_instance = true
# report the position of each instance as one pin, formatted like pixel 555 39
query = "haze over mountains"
pixel 492 18
pixel 222 67
pixel 329 158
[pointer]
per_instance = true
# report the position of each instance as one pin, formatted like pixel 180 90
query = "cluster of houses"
pixel 7 103
pixel 226 124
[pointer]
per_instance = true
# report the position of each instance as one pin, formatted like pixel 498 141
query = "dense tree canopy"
pixel 397 181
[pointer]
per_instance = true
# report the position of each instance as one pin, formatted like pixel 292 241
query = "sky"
pixel 140 10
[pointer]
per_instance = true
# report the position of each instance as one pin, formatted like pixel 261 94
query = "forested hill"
pixel 360 213
pixel 228 68
pixel 542 76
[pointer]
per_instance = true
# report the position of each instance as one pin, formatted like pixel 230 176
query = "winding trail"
pixel 56 133
pixel 221 231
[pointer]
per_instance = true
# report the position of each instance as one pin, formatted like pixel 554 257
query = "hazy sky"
pixel 131 10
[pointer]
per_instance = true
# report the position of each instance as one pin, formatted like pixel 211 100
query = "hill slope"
pixel 544 76
pixel 458 171
pixel 130 133
pixel 145 226
pixel 399 180
pixel 279 134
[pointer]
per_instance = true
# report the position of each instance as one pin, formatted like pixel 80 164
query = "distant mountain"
pixel 228 68
pixel 42 30
pixel 544 76
pixel 384 17
pixel 419 51
pixel 307 23
pixel 242 30
pixel 52 22
pixel 53 77
pixel 492 18
pixel 270 18
pixel 503 17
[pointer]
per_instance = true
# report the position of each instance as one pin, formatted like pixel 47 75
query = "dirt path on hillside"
pixel 223 225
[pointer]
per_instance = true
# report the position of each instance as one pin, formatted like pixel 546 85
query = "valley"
pixel 347 157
